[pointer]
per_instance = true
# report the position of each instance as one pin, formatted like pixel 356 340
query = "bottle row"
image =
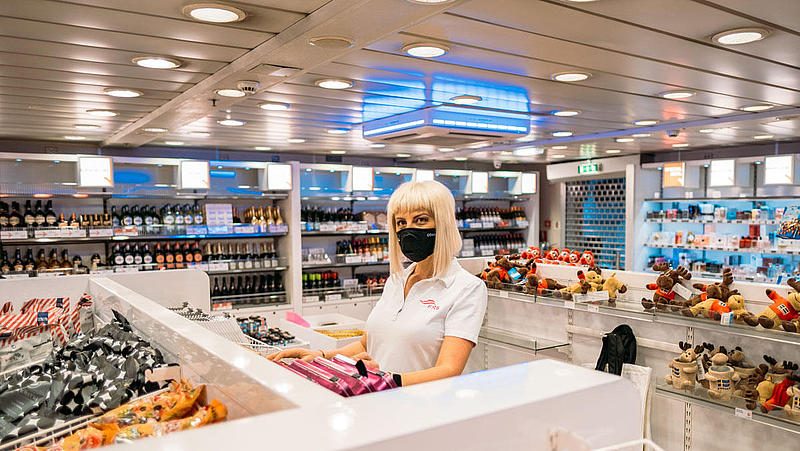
pixel 373 246
pixel 256 285
pixel 497 215
pixel 45 262
pixel 263 215
pixel 318 280
pixel 315 219
pixel 716 241
pixel 497 242
pixel 711 212
pixel 256 327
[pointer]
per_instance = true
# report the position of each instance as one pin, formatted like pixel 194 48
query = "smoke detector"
pixel 248 87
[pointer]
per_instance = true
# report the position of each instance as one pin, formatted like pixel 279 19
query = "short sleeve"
pixel 465 317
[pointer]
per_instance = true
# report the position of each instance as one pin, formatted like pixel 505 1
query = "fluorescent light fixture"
pixel 707 130
pixel 756 108
pixel 74 138
pixel 528 151
pixel 230 92
pixel 566 113
pixel 102 113
pixel 558 155
pixel 480 182
pixel 338 131
pixel 295 140
pixel 571 76
pixel 231 122
pixel 763 137
pixel 243 186
pixel 613 151
pixel 377 145
pixel 779 170
pixel 200 134
pixel 173 143
pixel 338 152
pixel 214 12
pixel 460 158
pixel 562 134
pixel 403 155
pixel 362 178
pixel 87 126
pixel 314 188
pixel 157 62
pixel 446 149
pixel 122 92
pixel 334 83
pixel 559 148
pixel 262 148
pixel 466 99
pixel 676 94
pixel 155 130
pixel 680 145
pixel 274 106
pixel 194 175
pixel 623 140
pixel 740 36
pixel 426 49
pixel 69 183
pixel 645 122
pixel 640 135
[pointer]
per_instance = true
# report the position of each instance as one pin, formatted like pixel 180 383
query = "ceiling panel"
pixel 784 13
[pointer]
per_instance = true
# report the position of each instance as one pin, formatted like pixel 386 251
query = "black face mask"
pixel 417 244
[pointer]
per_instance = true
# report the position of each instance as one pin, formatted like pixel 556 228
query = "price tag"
pixel 201 266
pixel 307 299
pixel 487 225
pixel 657 195
pixel 726 319
pixel 569 304
pixel 716 194
pixel 594 308
pixel 350 283
pixel 73 233
pixel 371 259
pixel 126 231
pixel 486 253
pixel 217 266
pixel 247 229
pixel 103 271
pixel 475 225
pixel 514 273
pixel 126 269
pixel 327 227
pixel 278 228
pixel 523 223
pixel 591 297
pixel 689 195
pixel 333 297
pixel 701 370
pixel 14 235
pixel 16 276
pixel 682 291
pixel 743 413
pixel 196 230
pixel 47 233
pixel 468 253
pixel 222 306
pixel 351 259
pixel 500 293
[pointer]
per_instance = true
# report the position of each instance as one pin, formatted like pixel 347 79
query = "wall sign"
pixel 722 173
pixel 194 175
pixel 528 182
pixel 424 175
pixel 779 170
pixel 674 175
pixel 279 177
pixel 589 168
pixel 95 172
pixel 363 179
pixel 480 182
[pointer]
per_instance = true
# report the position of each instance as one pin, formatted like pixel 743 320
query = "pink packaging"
pixel 320 377
pixel 351 377
pixel 377 380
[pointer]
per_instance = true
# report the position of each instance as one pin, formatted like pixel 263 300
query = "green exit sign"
pixel 589 168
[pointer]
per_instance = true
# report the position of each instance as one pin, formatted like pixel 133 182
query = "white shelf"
pixel 714 221
pixel 772 251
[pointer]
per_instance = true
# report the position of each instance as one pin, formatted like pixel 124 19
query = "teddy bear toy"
pixel 722 289
pixel 499 276
pixel 782 309
pixel 664 295
pixel 540 285
pixel 551 257
pixel 782 380
pixel 614 286
pixel 587 259
pixel 721 376
pixel 792 407
pixel 774 375
pixel 582 286
pixel 683 369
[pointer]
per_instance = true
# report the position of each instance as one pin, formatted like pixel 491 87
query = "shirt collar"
pixel 447 278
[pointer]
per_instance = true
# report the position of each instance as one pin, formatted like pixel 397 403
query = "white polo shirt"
pixel 405 335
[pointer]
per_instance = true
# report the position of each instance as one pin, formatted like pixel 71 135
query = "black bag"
pixel 619 347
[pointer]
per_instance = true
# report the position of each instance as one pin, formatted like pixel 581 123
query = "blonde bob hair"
pixel 435 199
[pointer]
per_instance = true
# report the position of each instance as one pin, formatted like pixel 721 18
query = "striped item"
pixel 38 316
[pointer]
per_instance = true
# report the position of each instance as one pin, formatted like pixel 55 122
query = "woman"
pixel 428 318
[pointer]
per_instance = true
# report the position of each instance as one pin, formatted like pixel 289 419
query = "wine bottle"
pixel 223 291
pixel 178 255
pixel 137 256
pixel 65 262
pixel 29 263
pixel 167 216
pixel 4 213
pixel 128 255
pixel 115 219
pixel 107 221
pixel 147 256
pixel 29 217
pixel 248 286
pixel 216 290
pixel 49 214
pixel 159 256
pixel 38 215
pixel 188 214
pixel 169 257
pixel 188 255
pixel 136 216
pixel 198 215
pixel 5 265
pixel 73 221
pixel 125 217
pixel 41 260
pixel 178 214
pixel 97 220
pixel 155 218
pixel 62 221
pixel 198 256
pixel 53 262
pixel 17 265
pixel 95 265
pixel 15 218
pixel 77 265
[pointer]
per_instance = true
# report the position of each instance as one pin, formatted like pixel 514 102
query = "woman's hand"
pixel 295 353
pixel 367 360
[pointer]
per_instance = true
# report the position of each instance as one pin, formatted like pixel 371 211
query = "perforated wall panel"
pixel 595 220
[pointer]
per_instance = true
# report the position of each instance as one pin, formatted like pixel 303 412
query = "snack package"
pixel 215 411
pixel 789 227
pixel 176 403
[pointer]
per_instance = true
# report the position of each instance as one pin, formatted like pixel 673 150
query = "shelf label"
pixel 222 306
pixel 350 283
pixel 47 233
pixel 591 297
pixel 486 253
pixel 73 233
pixel 49 274
pixel 14 235
pixel 726 319
pixel 351 259
pixel 333 297
pixel 371 259
pixel 196 230
pixel 475 225
pixel 500 293
pixel 278 228
pixel 327 227
pixel 126 231
pixel 16 276
pixel 123 269
pixel 247 229
pixel 569 304
pixel 309 299
pixel 688 195
pixel 594 308
pixel 468 253
pixel 201 266
pixel 743 413
pixel 487 225
pixel 103 271
pixel 217 266
pixel 682 291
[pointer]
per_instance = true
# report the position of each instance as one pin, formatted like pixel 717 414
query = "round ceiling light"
pixel 331 42
pixel 262 148
pixel 740 36
pixel 230 92
pixel 377 145
pixel 338 152
pixel 645 122
pixel 466 99
pixel 214 12
pixel 562 134
pixel 446 149
pixel 756 108
pixel 403 155
pixel 200 134
pixel 155 130
pixel 558 155
pixel 231 122
pixel 680 145
pixel 157 62
pixel 613 151
pixel 571 76
pixel 74 138
pixel 763 137
pixel 274 106
pixel 707 130
pixel 430 2
pixel 122 92
pixel 640 135
pixel 623 140
pixel 295 140
pixel 87 126
pixel 173 143
pixel 559 148
pixel 675 94
pixel 566 113
pixel 426 50
pixel 338 131
pixel 102 113
pixel 334 83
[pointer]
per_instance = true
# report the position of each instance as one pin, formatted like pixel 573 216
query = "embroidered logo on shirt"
pixel 430 303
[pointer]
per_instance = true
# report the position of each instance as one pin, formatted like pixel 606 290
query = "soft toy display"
pixel 664 295
pixel 782 309
pixel 781 378
pixel 721 290
pixel 532 254
pixel 498 275
pixel 683 369
pixel 574 258
pixel 540 285
pixel 563 256
pixel 792 407
pixel 714 307
pixel 582 286
pixel 614 286
pixel 551 257
pixel 587 259
pixel 721 376
pixel 749 377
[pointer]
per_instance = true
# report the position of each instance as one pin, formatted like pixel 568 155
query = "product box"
pixel 328 322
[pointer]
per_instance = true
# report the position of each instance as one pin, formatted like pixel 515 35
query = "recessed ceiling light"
pixel 740 36
pixel 566 113
pixel 559 148
pixel 466 99
pixel 613 151
pixel 338 131
pixel 200 134
pixel 338 152
pixel 157 62
pixel 230 92
pixel 707 130
pixel 754 108
pixel 581 1
pixel 334 83
pixel 571 76
pixel 214 12
pixel 173 143
pixel 640 135
pixel 403 155
pixel 623 140
pixel 102 113
pixel 460 158
pixel 677 94
pixel 528 151
pixel 763 137
pixel 122 92
pixel 645 122
pixel 562 134
pixel 295 140
pixel 243 186
pixel 558 155
pixel 18 160
pixel 155 130
pixel 87 126
pixel 377 145
pixel 231 122
pixel 274 106
pixel 446 149
pixel 679 145
pixel 426 49
pixel 430 2
pixel 75 138
pixel 262 148
pixel 331 42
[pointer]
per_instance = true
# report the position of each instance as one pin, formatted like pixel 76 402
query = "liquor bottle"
pixel 128 255
pixel 216 290
pixel 95 264
pixel 236 219
pixel 188 255
pixel 239 285
pixel 155 218
pixel 4 213
pixel 85 221
pixel 136 216
pixel 232 285
pixel 248 285
pixel 62 221
pixel 17 265
pixel 73 221
pixel 147 256
pixel 208 253
pixel 276 214
pixel 167 217
pixel 223 291
pixel 29 263
pixel 65 262
pixel 178 214
pixel 125 218
pixel 188 214
pixel 41 260
pixel 178 255
pixel 115 218
pixel 28 217
pixel 97 221
pixel 49 214
pixel 198 256
pixel 169 257
pixel 53 262
pixel 15 218
pixel 160 257
pixel 107 221
pixel 305 281
pixel 38 215
pixel 198 215
pixel 137 256
pixel 5 265
pixel 77 265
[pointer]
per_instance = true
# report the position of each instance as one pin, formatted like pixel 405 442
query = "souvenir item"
pixel 683 369
pixel 663 287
